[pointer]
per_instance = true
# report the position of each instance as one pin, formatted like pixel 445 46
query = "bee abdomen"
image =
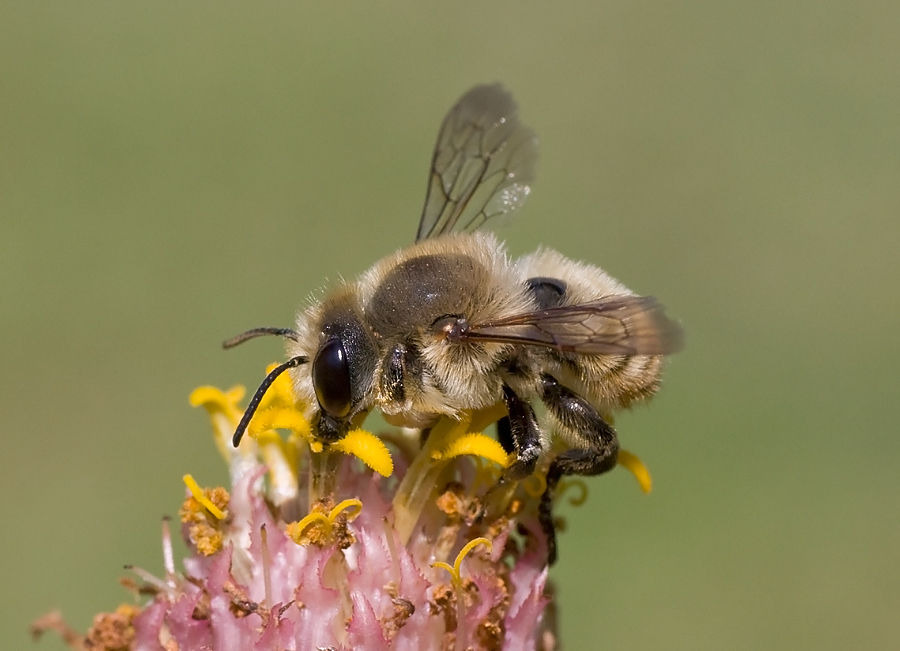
pixel 634 378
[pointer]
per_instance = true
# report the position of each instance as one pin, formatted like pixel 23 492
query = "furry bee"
pixel 451 323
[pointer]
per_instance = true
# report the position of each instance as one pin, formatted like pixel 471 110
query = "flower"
pixel 346 545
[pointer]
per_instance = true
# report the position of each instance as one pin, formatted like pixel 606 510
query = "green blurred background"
pixel 172 173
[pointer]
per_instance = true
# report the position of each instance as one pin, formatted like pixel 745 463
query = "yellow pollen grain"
pixel 637 468
pixel 454 571
pixel 206 540
pixel 197 492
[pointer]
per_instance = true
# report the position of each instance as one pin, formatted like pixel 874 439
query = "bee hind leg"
pixel 599 455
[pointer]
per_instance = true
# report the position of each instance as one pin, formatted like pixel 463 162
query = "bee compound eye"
pixel 331 379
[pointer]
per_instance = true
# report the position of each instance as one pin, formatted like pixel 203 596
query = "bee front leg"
pixel 599 455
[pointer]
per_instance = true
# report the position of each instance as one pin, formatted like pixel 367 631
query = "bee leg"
pixel 517 432
pixel 504 435
pixel 525 435
pixel 602 448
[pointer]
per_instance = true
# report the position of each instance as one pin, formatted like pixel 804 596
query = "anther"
pixel 197 492
pixel 454 571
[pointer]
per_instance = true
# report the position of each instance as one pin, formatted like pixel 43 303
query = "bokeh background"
pixel 172 173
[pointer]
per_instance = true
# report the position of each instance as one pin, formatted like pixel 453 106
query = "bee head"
pixel 343 369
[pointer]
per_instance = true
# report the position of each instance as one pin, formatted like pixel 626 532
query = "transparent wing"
pixel 483 164
pixel 615 325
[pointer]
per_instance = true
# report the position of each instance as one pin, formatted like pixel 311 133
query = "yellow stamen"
pixel 197 492
pixel 473 443
pixel 223 410
pixel 281 393
pixel 637 468
pixel 204 528
pixel 482 418
pixel 370 449
pixel 296 530
pixel 214 399
pixel 279 418
pixel 278 409
pixel 418 483
pixel 486 474
pixel 536 484
pixel 281 458
pixel 414 490
pixel 343 506
pixel 573 482
pixel 454 571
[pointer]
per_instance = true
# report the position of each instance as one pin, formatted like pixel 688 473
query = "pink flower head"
pixel 352 545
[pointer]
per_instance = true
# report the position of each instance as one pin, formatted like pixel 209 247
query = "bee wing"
pixel 483 164
pixel 614 325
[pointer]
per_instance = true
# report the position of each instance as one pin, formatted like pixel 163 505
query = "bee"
pixel 451 323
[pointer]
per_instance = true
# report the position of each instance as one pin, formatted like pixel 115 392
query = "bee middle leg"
pixel 524 434
pixel 577 415
pixel 518 432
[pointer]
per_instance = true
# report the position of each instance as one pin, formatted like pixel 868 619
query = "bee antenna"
pixel 259 332
pixel 260 392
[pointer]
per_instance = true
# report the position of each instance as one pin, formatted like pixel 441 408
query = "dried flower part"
pixel 113 631
pixel 203 514
pixel 53 621
pixel 417 550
